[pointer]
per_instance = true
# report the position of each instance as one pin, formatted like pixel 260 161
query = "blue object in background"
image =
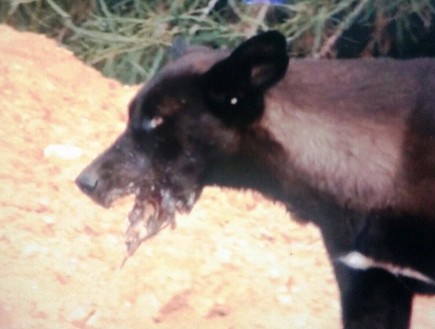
pixel 271 2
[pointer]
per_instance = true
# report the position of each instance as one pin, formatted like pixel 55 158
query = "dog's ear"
pixel 235 86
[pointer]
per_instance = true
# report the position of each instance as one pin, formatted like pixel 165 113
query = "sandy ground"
pixel 237 261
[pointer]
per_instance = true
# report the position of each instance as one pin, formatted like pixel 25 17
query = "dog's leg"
pixel 372 299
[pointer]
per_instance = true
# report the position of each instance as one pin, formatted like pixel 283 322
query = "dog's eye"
pixel 151 124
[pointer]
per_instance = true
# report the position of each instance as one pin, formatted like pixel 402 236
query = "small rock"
pixel 62 151
pixel 79 315
pixel 34 249
pixel 285 299
pixel 224 255
pixel 178 302
pixel 49 220
pixel 219 310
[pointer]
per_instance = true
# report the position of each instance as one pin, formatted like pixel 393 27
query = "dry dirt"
pixel 237 261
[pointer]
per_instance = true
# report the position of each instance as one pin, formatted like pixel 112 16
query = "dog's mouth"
pixel 154 210
pixel 157 199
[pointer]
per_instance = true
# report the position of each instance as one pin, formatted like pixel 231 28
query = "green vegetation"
pixel 127 39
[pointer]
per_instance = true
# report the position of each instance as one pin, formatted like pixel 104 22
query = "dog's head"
pixel 188 117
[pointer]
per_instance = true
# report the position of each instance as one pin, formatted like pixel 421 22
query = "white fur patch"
pixel 358 261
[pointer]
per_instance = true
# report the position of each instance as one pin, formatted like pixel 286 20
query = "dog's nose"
pixel 87 181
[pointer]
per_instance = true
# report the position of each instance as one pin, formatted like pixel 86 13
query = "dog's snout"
pixel 87 181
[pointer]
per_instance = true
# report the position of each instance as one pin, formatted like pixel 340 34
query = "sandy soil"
pixel 237 261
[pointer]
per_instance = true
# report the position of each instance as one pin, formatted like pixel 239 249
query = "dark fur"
pixel 348 145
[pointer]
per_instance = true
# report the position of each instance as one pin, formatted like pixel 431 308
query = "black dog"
pixel 348 145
